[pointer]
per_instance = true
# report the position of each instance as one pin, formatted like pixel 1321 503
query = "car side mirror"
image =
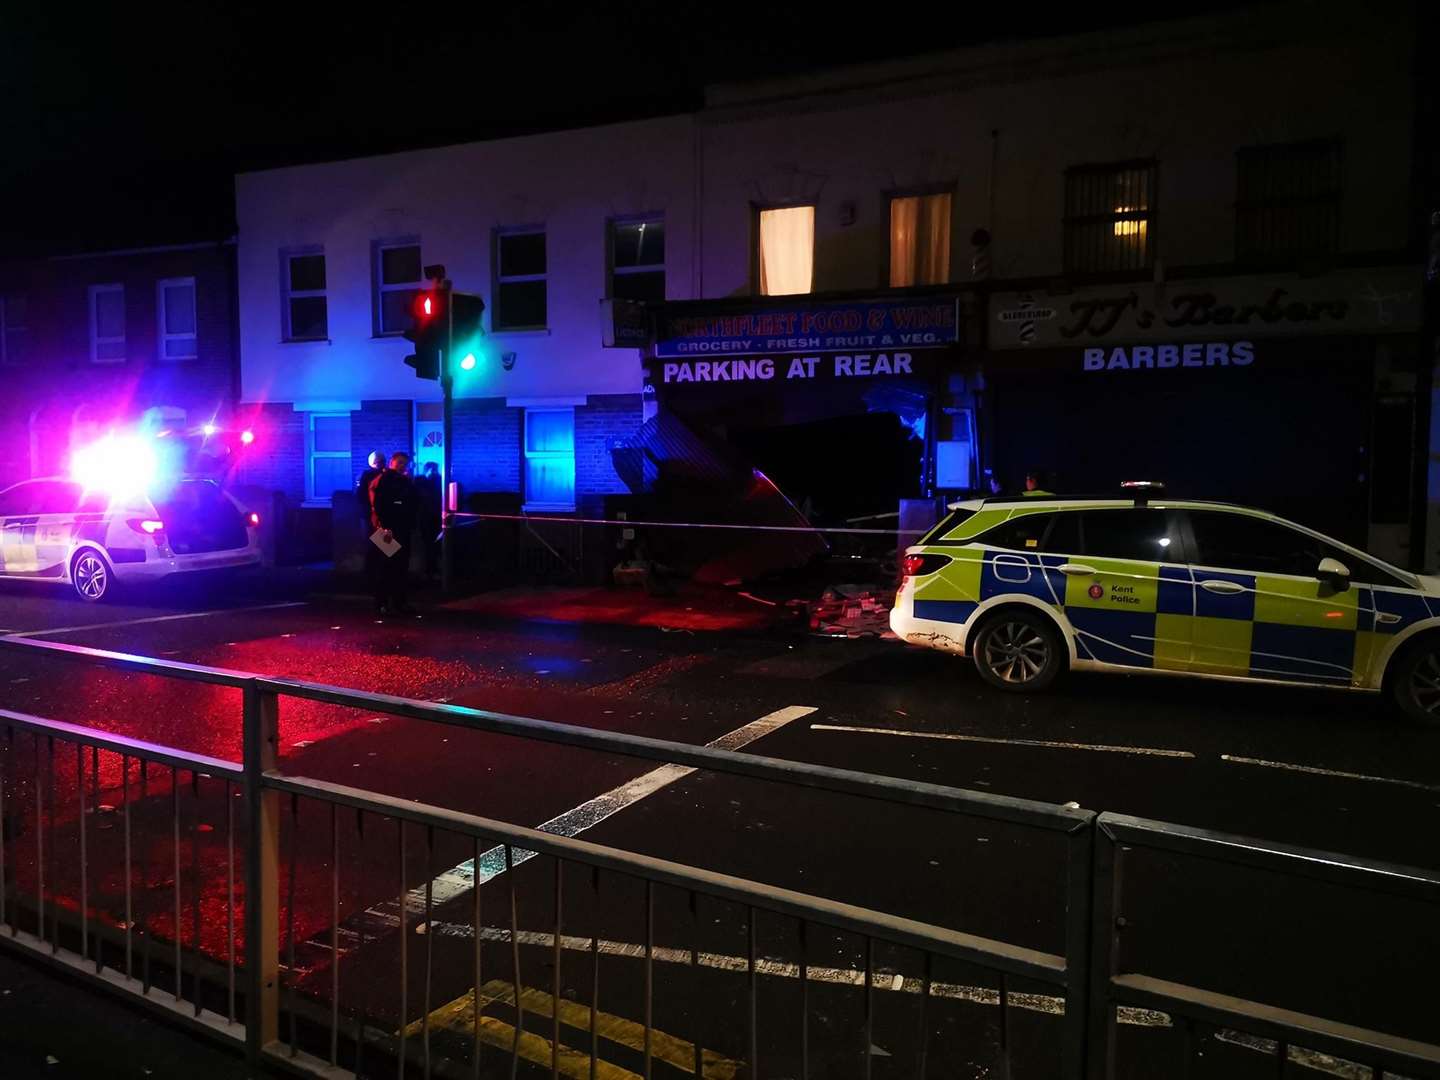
pixel 1334 573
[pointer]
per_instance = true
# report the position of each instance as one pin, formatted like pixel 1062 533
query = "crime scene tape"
pixel 461 518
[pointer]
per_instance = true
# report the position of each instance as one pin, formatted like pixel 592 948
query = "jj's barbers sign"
pixel 1192 354
pixel 1381 301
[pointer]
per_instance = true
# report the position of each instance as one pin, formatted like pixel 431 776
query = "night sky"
pixel 123 126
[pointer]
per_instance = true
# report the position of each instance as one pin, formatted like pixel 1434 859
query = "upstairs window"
pixel 520 280
pixel 637 259
pixel 786 250
pixel 107 324
pixel 176 318
pixel 397 280
pixel 1287 202
pixel 306 310
pixel 1109 217
pixel 13 317
pixel 919 240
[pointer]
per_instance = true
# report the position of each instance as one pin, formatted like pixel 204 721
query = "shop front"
pixel 838 401
pixel 1293 394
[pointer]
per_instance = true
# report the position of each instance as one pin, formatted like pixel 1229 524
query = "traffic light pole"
pixel 447 393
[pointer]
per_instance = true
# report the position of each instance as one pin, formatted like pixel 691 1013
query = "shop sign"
pixel 624 324
pixel 788 368
pixel 1191 354
pixel 1380 301
pixel 865 328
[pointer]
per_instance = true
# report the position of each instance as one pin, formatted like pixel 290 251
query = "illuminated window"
pixel 1109 214
pixel 919 240
pixel 549 459
pixel 520 280
pixel 13 317
pixel 397 280
pixel 306 311
pixel 107 324
pixel 637 259
pixel 327 452
pixel 177 318
pixel 786 250
pixel 1287 201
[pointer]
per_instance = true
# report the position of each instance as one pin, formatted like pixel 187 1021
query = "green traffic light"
pixel 467 363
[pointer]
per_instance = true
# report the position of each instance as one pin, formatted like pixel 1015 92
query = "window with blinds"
pixel 1287 201
pixel 1109 217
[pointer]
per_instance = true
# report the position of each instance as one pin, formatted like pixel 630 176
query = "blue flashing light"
pixel 209 429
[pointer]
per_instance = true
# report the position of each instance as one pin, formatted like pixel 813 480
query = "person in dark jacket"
pixel 374 466
pixel 394 511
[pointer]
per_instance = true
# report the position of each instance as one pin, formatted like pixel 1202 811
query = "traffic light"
pixel 427 330
pixel 466 312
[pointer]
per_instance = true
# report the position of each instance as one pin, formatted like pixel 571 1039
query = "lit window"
pixel 637 259
pixel 397 280
pixel 12 329
pixel 1287 201
pixel 787 250
pixel 177 318
pixel 1108 212
pixel 306 313
pixel 520 280
pixel 107 324
pixel 920 240
pixel 550 459
pixel 328 456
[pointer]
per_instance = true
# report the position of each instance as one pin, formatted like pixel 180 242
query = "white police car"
pixel 57 530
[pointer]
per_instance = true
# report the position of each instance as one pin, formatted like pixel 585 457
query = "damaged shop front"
pixel 830 412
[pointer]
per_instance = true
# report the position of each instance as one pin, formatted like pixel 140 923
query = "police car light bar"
pixel 1142 489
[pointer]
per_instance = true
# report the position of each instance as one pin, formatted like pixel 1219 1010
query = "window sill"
pixel 306 341
pixel 547 508
pixel 522 331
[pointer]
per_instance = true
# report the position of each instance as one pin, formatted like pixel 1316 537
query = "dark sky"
pixel 123 124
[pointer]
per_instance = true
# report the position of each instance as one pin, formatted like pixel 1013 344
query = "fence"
pixel 244 982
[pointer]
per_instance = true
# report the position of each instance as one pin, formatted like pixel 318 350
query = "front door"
pixel 1260 609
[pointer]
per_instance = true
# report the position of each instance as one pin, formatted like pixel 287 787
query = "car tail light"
pixel 148 526
pixel 253 518
pixel 920 565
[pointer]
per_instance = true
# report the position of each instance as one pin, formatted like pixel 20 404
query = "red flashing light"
pixel 247 437
pixel 254 519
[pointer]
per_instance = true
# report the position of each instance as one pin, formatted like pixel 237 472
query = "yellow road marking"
pixel 459 1016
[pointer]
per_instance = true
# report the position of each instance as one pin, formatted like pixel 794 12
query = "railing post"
pixel 1104 952
pixel 262 883
pixel 1079 888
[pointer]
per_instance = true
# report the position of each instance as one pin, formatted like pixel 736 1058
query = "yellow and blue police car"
pixel 1032 586
pixel 56 530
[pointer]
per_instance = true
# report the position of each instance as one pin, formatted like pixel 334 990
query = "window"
pixel 1287 201
pixel 328 454
pixel 1128 534
pixel 397 280
pixel 637 259
pixel 177 318
pixel 13 315
pixel 1109 214
pixel 919 240
pixel 520 280
pixel 550 459
pixel 107 324
pixel 1241 542
pixel 785 251
pixel 18 499
pixel 1023 533
pixel 306 314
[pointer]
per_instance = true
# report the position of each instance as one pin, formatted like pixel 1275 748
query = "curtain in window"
pixel 787 250
pixel 920 240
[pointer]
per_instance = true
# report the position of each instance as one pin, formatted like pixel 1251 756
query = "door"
pixel 429 438
pixel 17 529
pixel 1127 590
pixel 1260 608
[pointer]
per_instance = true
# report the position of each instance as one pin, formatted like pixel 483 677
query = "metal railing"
pixel 263 786
pixel 242 985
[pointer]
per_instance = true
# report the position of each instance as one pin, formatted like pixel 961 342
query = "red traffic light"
pixel 425 306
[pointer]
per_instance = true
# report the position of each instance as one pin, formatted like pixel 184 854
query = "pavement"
pixel 1323 769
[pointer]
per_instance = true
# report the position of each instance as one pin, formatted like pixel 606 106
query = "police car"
pixel 57 530
pixel 1033 586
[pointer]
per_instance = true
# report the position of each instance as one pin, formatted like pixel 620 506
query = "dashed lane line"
pixel 1315 770
pixel 153 619
pixel 1145 751
pixel 459 880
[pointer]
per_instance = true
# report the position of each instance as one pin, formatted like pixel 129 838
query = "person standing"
pixel 374 466
pixel 394 511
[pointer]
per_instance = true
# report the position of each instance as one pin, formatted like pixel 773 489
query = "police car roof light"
pixel 1142 489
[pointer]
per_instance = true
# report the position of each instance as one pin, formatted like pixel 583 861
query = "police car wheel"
pixel 1415 684
pixel 90 576
pixel 1018 651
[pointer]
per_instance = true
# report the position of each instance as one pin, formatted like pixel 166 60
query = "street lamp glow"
pixel 467 363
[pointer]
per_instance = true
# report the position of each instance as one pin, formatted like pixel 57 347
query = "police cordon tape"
pixel 460 518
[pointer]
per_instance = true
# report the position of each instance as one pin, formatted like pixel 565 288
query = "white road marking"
pixel 154 619
pixel 1147 751
pixel 460 880
pixel 1315 770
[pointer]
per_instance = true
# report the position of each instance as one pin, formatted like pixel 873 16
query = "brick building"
pixel 112 340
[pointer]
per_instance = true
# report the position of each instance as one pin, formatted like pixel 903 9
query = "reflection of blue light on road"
pixel 551 665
